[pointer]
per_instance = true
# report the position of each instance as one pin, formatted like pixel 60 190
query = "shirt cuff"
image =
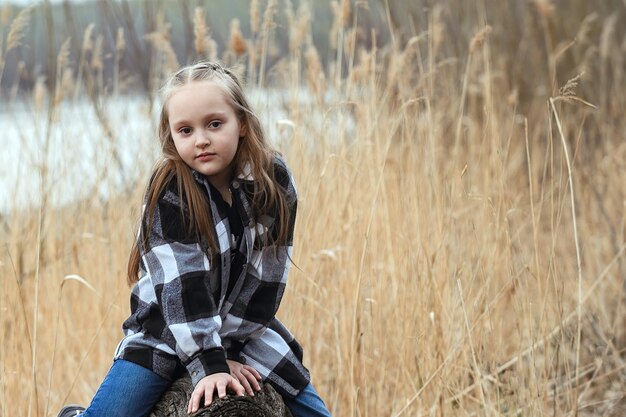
pixel 207 363
pixel 233 351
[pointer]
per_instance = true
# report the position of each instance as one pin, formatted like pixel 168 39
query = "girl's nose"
pixel 202 139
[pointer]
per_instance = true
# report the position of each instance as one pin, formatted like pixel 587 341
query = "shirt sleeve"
pixel 179 270
pixel 266 278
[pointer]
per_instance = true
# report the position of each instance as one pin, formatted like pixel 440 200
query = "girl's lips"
pixel 204 157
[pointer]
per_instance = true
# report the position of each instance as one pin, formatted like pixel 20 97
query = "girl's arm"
pixel 265 280
pixel 178 269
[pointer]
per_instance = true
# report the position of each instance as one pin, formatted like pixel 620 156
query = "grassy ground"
pixel 460 241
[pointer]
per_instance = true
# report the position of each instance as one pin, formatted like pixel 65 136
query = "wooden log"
pixel 265 403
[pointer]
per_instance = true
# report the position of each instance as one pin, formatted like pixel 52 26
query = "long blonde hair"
pixel 253 154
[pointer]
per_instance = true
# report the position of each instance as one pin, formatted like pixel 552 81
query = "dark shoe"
pixel 71 411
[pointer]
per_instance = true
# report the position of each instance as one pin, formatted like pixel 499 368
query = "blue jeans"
pixel 307 404
pixel 127 390
pixel 130 390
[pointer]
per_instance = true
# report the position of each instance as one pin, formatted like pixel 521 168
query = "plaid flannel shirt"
pixel 182 311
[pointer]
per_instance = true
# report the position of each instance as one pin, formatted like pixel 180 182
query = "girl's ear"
pixel 242 130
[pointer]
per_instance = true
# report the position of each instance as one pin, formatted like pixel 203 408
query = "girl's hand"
pixel 207 385
pixel 246 375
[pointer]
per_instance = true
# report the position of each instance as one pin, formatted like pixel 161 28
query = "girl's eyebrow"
pixel 206 116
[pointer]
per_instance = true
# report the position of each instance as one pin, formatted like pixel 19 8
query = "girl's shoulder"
pixel 281 171
pixel 163 188
pixel 283 176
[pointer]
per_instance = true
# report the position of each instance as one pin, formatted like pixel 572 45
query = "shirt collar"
pixel 245 175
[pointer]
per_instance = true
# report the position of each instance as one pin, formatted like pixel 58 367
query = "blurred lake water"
pixel 82 152
pixel 72 155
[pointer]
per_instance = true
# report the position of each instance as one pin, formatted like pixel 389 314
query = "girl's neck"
pixel 222 184
pixel 226 195
pixel 224 188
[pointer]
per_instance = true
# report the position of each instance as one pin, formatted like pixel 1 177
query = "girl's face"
pixel 205 130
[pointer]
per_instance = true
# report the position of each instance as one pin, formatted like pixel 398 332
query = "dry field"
pixel 460 242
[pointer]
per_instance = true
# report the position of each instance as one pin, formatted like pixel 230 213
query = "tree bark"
pixel 265 403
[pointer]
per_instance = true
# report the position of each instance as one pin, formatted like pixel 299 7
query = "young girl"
pixel 210 264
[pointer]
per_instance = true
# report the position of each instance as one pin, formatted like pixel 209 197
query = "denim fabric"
pixel 307 404
pixel 129 390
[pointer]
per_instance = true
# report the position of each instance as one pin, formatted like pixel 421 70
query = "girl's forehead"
pixel 198 98
pixel 199 85
pixel 196 90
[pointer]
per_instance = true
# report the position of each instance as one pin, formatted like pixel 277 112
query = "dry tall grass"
pixel 460 246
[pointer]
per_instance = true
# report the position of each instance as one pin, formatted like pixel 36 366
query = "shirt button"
pixel 236 185
pixel 195 373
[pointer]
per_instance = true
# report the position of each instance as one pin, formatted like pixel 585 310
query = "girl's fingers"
pixel 243 380
pixel 251 379
pixel 237 387
pixel 206 387
pixel 253 371
pixel 208 395
pixel 194 401
pixel 221 390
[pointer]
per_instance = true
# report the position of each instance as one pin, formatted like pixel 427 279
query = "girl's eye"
pixel 215 124
pixel 185 131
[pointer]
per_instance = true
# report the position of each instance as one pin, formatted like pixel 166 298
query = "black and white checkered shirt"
pixel 183 310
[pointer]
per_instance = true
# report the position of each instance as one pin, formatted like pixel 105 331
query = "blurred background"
pixel 461 168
